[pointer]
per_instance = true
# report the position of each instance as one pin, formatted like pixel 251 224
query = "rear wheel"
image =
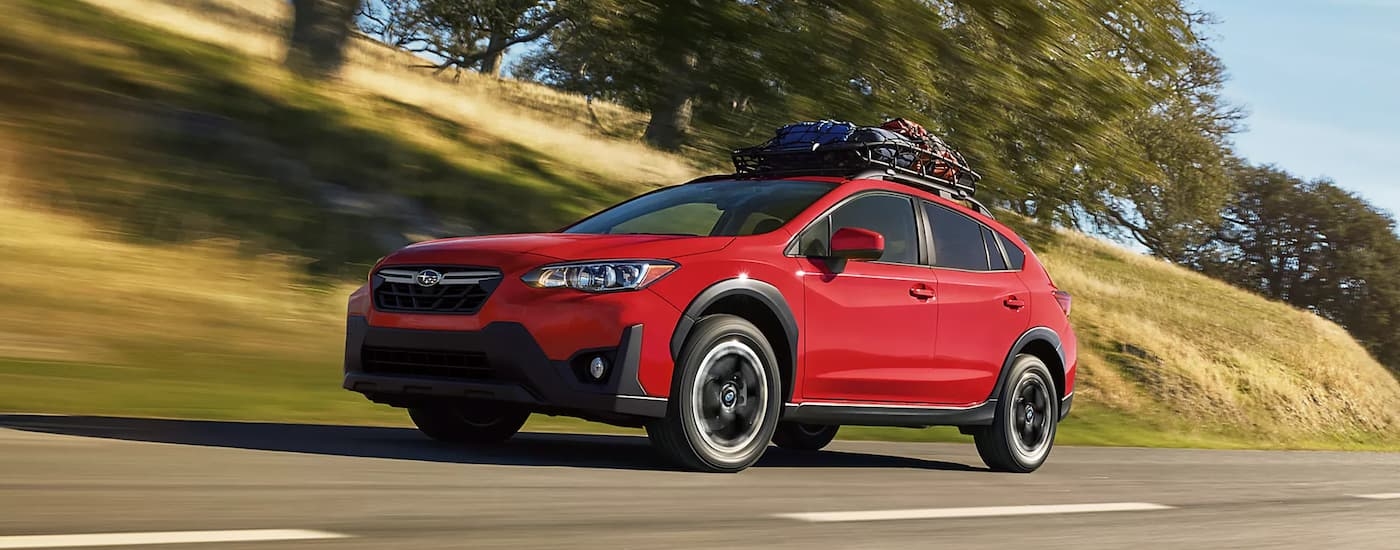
pixel 725 398
pixel 469 421
pixel 1027 414
pixel 804 437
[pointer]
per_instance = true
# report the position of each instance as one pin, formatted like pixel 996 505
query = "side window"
pixel 1013 253
pixel 957 239
pixel 993 251
pixel 889 215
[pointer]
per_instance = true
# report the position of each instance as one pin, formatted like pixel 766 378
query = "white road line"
pixel 165 537
pixel 978 512
pixel 1380 496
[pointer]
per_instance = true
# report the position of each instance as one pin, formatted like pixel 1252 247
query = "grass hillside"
pixel 180 222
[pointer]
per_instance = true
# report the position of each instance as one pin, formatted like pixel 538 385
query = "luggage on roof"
pixel 831 146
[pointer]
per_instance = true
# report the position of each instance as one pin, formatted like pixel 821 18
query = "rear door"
pixel 869 329
pixel 983 306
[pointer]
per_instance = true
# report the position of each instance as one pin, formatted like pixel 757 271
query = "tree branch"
pixel 550 23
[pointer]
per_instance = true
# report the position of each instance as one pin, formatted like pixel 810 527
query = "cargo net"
pixel 842 147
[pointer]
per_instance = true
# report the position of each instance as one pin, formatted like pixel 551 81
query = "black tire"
pixel 795 436
pixel 725 398
pixel 1028 411
pixel 478 422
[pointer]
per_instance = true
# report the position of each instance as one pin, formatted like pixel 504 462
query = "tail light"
pixel 1063 298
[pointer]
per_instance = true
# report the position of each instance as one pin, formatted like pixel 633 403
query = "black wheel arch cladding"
pixel 765 294
pixel 1037 339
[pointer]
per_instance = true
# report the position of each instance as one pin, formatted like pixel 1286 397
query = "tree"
pixel 663 57
pixel 1172 208
pixel 463 33
pixel 1029 93
pixel 320 29
pixel 1316 246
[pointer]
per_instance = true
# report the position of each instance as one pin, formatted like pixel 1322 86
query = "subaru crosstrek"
pixel 728 313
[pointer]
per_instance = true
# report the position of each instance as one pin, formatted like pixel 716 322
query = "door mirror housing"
pixel 854 243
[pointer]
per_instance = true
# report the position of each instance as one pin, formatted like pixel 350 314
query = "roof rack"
pixel 896 154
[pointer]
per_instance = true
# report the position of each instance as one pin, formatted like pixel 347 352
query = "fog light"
pixel 598 367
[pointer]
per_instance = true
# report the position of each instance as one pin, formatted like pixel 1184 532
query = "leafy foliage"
pixel 1316 246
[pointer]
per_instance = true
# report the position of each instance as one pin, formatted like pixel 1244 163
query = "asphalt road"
pixel 125 480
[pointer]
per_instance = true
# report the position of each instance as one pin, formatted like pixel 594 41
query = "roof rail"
pixel 939 190
pixel 947 192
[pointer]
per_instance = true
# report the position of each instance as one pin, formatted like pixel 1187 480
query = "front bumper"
pixel 514 368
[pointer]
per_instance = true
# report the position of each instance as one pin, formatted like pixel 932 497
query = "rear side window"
pixel 998 263
pixel 1013 253
pixel 957 239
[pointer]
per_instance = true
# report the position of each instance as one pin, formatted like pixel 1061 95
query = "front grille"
pixel 456 290
pixel 470 365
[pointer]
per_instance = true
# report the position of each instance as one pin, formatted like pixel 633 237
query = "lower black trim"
pixel 520 372
pixel 1065 404
pixel 902 417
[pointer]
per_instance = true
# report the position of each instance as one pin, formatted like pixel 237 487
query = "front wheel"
pixel 469 422
pixel 725 398
pixel 1027 414
pixel 796 436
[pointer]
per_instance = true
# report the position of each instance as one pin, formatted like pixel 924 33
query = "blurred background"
pixel 189 189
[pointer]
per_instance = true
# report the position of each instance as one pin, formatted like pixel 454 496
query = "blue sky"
pixel 1321 82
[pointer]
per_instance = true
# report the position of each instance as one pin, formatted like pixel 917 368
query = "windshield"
pixel 719 208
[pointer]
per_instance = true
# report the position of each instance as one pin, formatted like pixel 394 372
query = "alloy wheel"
pixel 729 398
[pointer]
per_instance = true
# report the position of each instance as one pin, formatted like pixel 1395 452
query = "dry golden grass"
pixel 75 292
pixel 1162 340
pixel 508 110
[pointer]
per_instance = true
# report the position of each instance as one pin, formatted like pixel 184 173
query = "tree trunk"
pixel 671 109
pixel 491 64
pixel 670 120
pixel 320 29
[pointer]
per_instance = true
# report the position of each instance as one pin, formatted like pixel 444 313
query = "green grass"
pixel 177 181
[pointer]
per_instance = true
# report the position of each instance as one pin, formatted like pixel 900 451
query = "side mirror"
pixel 854 243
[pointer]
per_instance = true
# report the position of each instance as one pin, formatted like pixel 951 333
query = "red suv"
pixel 727 313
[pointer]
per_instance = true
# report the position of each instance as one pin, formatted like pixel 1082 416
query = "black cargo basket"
pixel 861 150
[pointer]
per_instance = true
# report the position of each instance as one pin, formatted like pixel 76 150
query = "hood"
pixel 506 250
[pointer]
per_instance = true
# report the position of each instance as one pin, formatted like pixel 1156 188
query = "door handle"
pixel 1014 303
pixel 921 292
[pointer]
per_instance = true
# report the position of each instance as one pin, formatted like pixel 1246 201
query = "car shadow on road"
pixel 526 449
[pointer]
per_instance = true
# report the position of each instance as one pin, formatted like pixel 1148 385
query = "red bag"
pixel 906 128
pixel 944 162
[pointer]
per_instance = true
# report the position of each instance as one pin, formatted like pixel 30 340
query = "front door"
pixel 869 330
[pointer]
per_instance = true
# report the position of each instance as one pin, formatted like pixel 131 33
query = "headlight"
pixel 603 276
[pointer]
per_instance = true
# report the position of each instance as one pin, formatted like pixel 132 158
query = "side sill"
pixel 899 417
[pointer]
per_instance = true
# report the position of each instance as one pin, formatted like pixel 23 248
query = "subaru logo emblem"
pixel 428 277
